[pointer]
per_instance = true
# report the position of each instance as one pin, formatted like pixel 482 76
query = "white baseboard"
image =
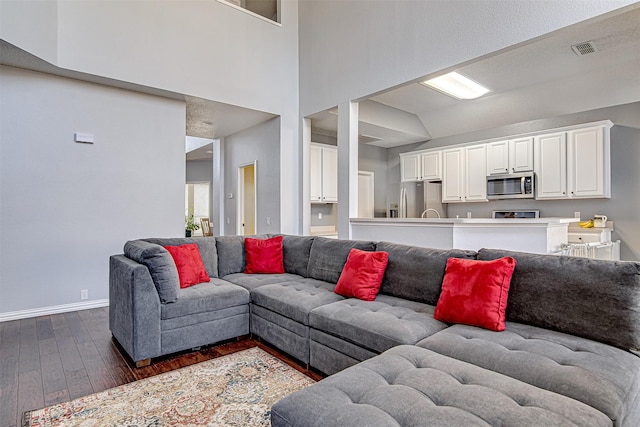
pixel 44 311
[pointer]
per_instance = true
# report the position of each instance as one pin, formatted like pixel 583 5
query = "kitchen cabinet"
pixel 475 171
pixel 588 167
pixel 431 165
pixel 324 174
pixel 551 166
pixel 573 164
pixel 410 167
pixel 421 166
pixel 511 156
pixel 453 175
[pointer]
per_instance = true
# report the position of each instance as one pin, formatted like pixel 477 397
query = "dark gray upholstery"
pixel 253 281
pixel 134 308
pixel 594 299
pixel 328 256
pixel 330 354
pixel 596 374
pixel 296 251
pixel 231 257
pixel 160 264
pixel 206 246
pixel 416 273
pixel 377 325
pixel 411 386
pixel 206 297
pixel 295 299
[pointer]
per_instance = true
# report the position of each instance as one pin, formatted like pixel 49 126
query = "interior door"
pixel 247 200
pixel 366 195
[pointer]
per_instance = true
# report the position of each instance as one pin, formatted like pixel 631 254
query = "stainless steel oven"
pixel 511 186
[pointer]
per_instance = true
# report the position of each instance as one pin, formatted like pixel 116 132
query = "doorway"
pixel 247 205
pixel 197 203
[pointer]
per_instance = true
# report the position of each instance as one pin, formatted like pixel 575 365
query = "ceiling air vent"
pixel 583 48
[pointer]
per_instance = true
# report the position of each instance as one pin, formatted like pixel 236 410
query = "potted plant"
pixel 190 224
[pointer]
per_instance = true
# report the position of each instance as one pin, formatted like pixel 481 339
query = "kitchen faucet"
pixel 427 210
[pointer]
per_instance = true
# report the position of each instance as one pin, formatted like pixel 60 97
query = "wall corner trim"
pixel 56 309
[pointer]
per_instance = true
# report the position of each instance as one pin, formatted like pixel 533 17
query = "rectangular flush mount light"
pixel 457 85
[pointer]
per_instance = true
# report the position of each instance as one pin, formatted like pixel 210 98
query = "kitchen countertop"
pixel 467 221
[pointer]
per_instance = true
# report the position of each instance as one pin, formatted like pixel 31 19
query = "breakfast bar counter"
pixel 537 235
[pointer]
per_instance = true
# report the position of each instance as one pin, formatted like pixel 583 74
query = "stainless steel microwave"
pixel 511 186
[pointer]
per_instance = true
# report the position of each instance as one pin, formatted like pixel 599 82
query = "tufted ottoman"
pixel 413 386
pixel 362 329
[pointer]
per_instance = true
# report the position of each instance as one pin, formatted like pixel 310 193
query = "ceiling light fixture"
pixel 457 86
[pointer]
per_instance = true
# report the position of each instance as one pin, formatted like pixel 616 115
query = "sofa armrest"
pixel 134 308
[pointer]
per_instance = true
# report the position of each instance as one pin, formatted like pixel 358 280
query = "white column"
pixel 347 166
pixel 306 171
pixel 290 172
pixel 217 188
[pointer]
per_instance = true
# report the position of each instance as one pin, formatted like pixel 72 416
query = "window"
pixel 197 201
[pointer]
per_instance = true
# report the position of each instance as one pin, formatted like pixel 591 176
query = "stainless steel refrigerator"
pixel 414 198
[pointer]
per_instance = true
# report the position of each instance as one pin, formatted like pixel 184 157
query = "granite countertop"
pixel 468 221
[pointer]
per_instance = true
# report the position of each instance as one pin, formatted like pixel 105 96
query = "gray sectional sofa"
pixel 569 354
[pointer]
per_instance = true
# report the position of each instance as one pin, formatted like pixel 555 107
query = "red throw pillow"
pixel 264 255
pixel 188 260
pixel 362 274
pixel 475 292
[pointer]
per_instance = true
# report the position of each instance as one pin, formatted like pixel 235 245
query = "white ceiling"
pixel 540 79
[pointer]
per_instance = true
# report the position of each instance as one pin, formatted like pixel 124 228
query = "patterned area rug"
pixel 233 390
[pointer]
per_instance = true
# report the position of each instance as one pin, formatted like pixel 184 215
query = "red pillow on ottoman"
pixel 475 292
pixel 188 260
pixel 264 255
pixel 362 274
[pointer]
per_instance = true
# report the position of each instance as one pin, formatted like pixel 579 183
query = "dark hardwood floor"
pixel 52 359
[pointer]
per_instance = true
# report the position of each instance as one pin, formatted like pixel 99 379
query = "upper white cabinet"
pixel 574 164
pixel 570 162
pixel 551 166
pixel 511 156
pixel 475 158
pixel 453 175
pixel 410 167
pixel 588 164
pixel 324 174
pixel 421 166
pixel 431 163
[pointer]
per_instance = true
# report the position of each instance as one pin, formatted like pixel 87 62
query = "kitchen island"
pixel 537 235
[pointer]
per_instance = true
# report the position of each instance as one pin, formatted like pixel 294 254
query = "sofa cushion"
pixel 296 250
pixel 295 299
pixel 475 292
pixel 160 265
pixel 378 325
pixel 252 281
pixel 205 297
pixel 263 256
pixel 590 298
pixel 188 261
pixel 604 377
pixel 206 245
pixel 231 258
pixel 328 256
pixel 416 273
pixel 362 274
pixel 412 386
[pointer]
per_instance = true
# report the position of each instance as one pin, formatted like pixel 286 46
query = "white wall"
pixel 66 207
pixel 199 48
pixel 261 144
pixel 374 159
pixel 350 49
